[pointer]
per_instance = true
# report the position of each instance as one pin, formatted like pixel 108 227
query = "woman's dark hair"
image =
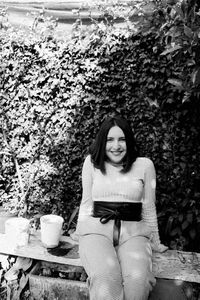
pixel 97 149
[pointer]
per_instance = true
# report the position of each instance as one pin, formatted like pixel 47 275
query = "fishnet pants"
pixel 121 273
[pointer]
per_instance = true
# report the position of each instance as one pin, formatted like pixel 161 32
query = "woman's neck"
pixel 117 165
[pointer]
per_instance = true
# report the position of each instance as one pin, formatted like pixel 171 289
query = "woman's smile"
pixel 116 152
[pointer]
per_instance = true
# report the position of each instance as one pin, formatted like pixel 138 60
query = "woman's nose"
pixel 116 144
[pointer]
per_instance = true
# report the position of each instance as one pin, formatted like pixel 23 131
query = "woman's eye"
pixel 109 139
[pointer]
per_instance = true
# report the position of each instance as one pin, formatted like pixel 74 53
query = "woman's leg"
pixel 136 264
pixel 100 261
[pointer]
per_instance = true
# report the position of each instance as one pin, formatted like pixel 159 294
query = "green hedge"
pixel 54 95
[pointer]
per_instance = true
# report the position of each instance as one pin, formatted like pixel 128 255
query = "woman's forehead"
pixel 116 131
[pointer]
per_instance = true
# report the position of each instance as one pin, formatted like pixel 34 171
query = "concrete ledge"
pixel 44 287
pixel 171 264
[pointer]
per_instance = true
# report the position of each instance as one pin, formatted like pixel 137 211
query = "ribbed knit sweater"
pixel 137 185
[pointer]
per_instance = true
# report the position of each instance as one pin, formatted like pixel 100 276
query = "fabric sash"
pixel 117 211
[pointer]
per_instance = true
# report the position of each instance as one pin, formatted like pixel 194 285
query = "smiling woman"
pixel 117 224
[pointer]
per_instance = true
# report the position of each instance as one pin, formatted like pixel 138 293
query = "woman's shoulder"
pixel 87 160
pixel 145 161
pixel 87 165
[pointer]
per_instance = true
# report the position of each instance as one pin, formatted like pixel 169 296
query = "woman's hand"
pixel 156 244
pixel 159 248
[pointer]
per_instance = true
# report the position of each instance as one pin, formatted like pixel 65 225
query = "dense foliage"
pixel 181 32
pixel 54 96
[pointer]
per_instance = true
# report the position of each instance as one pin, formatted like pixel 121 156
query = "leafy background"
pixel 55 94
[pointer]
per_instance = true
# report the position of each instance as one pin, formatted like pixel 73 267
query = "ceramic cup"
pixel 51 229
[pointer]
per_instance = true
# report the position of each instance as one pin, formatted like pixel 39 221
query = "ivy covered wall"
pixel 54 96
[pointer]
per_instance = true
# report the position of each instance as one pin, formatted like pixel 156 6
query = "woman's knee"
pixel 137 285
pixel 139 278
pixel 135 276
pixel 106 273
pixel 105 286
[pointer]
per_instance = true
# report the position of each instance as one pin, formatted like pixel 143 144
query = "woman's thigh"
pixel 98 255
pixel 135 257
pixel 101 263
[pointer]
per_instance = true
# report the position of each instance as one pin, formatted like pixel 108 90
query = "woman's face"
pixel 115 145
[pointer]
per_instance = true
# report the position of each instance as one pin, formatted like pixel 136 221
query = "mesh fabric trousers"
pixel 120 273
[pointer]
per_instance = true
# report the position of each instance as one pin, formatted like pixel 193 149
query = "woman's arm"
pixel 149 209
pixel 87 178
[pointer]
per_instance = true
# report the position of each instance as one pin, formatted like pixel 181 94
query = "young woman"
pixel 117 223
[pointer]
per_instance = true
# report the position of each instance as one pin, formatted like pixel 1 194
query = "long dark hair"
pixel 97 149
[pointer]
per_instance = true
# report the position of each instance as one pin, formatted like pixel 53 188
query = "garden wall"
pixel 54 96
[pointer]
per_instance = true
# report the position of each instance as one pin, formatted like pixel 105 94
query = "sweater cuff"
pixel 155 239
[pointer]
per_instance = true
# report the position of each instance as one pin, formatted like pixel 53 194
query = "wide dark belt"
pixel 117 211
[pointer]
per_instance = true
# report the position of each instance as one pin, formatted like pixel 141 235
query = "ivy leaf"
pixel 185 225
pixel 172 49
pixel 179 11
pixel 186 97
pixel 175 231
pixel 176 82
pixel 188 32
pixel 196 77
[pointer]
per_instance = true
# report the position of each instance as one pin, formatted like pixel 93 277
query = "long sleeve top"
pixel 137 185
